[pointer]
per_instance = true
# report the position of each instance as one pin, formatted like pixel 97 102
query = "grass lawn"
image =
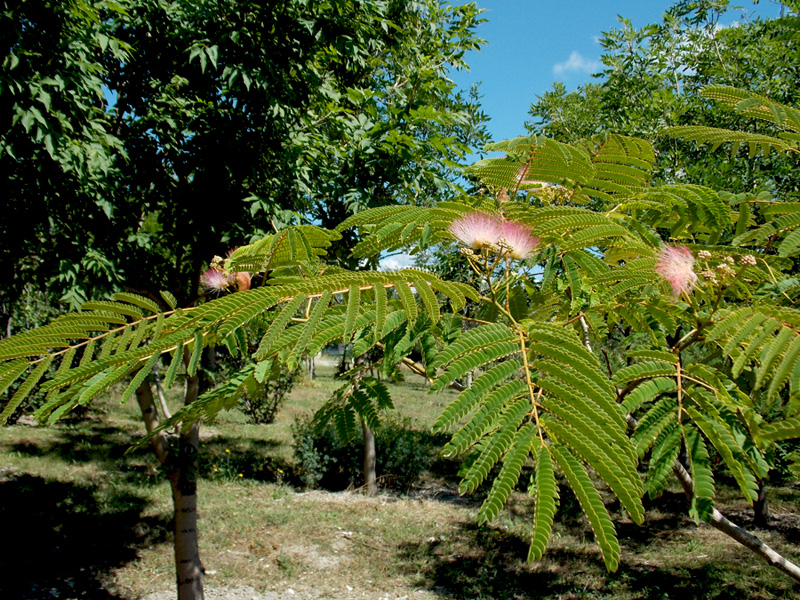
pixel 83 519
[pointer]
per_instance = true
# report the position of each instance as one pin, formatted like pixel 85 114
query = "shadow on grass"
pixel 234 458
pixel 107 449
pixel 61 541
pixel 489 563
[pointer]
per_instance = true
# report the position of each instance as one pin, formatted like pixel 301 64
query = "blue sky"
pixel 532 43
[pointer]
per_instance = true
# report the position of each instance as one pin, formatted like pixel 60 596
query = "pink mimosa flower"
pixel 477 230
pixel 214 280
pixel 676 266
pixel 519 238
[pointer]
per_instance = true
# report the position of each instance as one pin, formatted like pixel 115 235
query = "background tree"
pixel 652 79
pixel 128 129
pixel 142 139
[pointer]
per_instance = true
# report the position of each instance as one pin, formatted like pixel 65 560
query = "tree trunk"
pixel 311 368
pixel 761 516
pixel 370 478
pixel 181 467
pixel 183 481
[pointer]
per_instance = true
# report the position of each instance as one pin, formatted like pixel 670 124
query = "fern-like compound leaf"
pixel 485 418
pixel 505 481
pixel 665 452
pixel 27 385
pixel 320 308
pixel 473 396
pixel 591 503
pixel 496 445
pixel 545 490
pixel 278 325
pixel 702 476
pixel 728 449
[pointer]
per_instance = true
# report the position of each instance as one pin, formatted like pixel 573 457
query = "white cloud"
pixel 576 62
pixel 397 262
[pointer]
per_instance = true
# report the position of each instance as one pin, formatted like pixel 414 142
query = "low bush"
pixel 262 405
pixel 325 461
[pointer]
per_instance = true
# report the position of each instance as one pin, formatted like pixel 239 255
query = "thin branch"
pixel 721 523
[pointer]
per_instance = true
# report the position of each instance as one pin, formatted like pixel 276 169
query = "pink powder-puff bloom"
pixel 519 239
pixel 214 280
pixel 676 266
pixel 477 230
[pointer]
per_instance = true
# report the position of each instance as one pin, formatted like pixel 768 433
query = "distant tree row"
pixel 141 138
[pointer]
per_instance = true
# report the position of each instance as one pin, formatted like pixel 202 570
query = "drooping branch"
pixel 721 523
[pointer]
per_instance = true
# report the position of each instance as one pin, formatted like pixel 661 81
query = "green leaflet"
pixel 722 327
pixel 785 368
pixel 137 300
pixel 587 412
pixel 727 447
pixel 23 390
pixel 113 307
pixel 242 307
pixel 583 219
pixel 380 311
pixel 484 419
pixel 702 476
pixel 428 299
pixel 471 339
pixel 171 301
pixel 561 354
pixel 575 379
pixel 583 439
pixel 10 372
pixel 344 422
pixel 478 358
pixel 789 244
pixel 590 236
pixel 364 407
pixel 353 300
pixel 509 474
pixel 662 414
pixel 496 445
pixel 407 298
pixel 754 346
pixel 742 333
pixel 659 355
pixel 545 489
pixel 102 381
pixel 665 453
pixel 473 396
pixel 320 308
pixel 779 430
pixel 591 503
pixel 647 392
pixel 172 371
pixel 643 370
pixel 139 378
pixel 278 325
pixel 331 328
pixel 779 346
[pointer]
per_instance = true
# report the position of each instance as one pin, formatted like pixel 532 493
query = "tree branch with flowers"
pixel 575 256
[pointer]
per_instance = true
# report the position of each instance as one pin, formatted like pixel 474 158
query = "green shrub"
pixel 262 405
pixel 323 461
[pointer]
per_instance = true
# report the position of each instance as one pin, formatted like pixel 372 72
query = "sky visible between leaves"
pixel 533 43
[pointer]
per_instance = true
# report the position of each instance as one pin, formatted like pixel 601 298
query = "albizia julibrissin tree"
pixel 608 321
